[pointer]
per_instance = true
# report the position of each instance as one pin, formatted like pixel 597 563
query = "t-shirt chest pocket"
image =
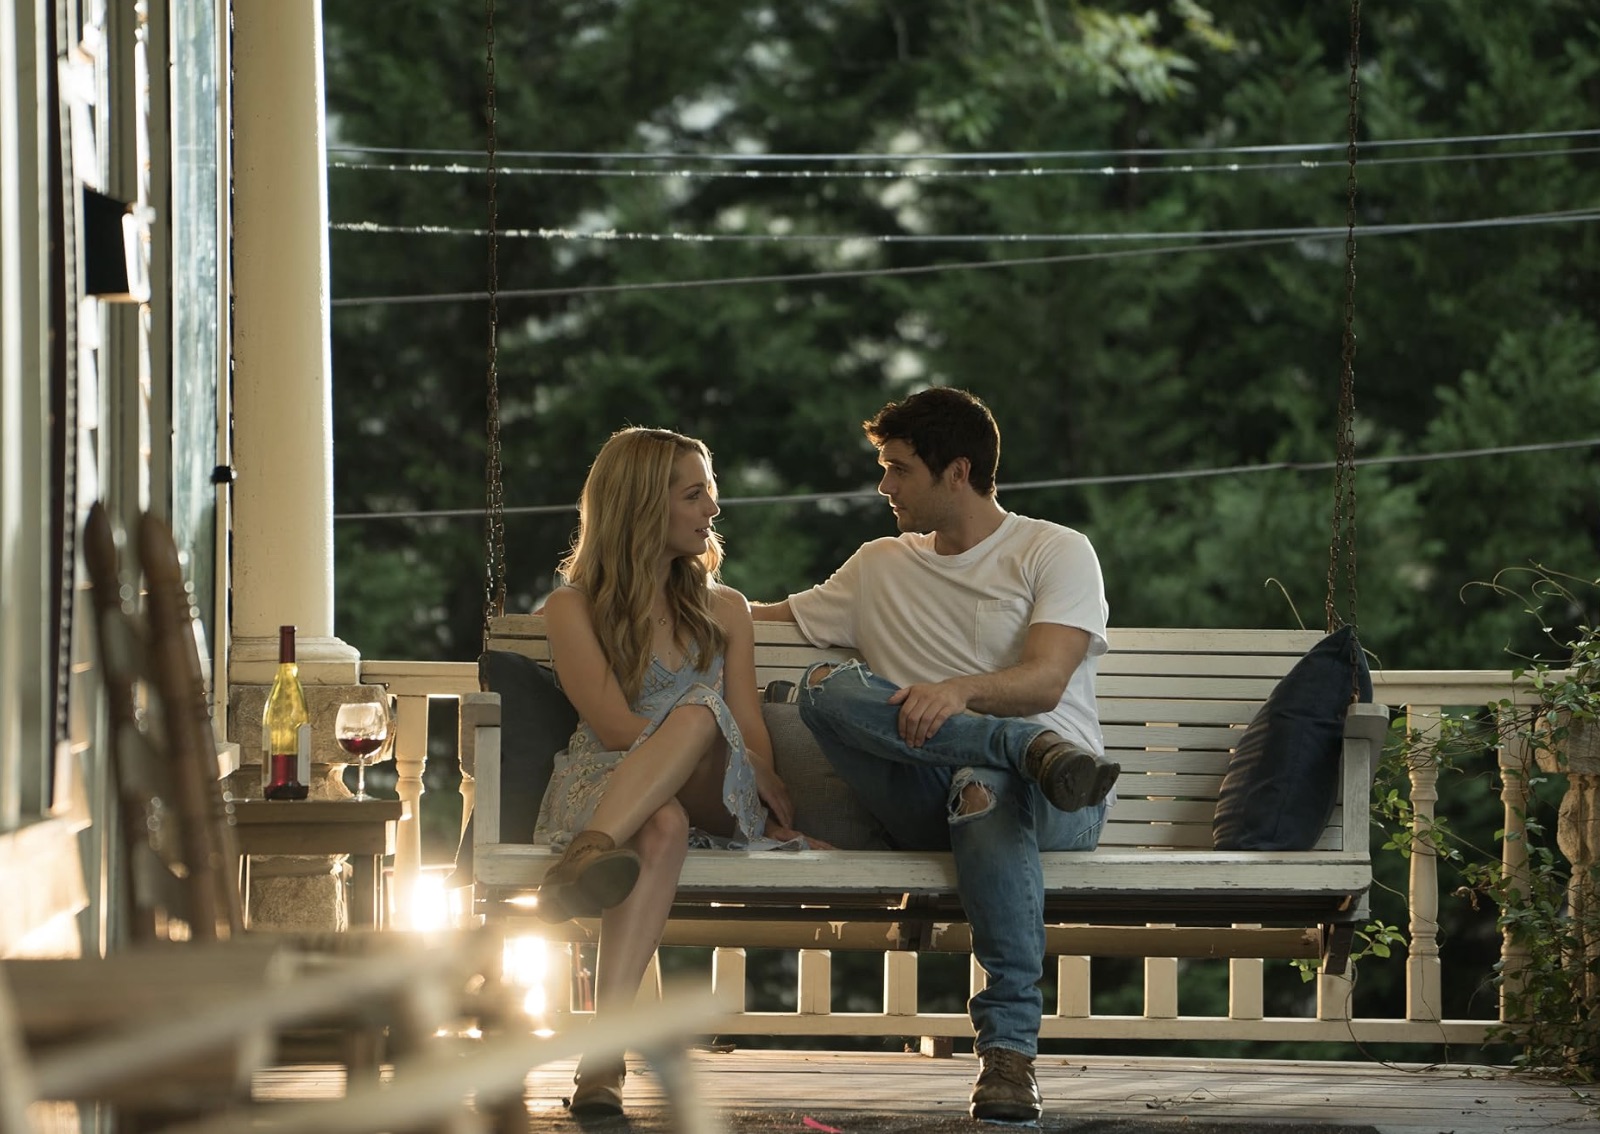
pixel 998 632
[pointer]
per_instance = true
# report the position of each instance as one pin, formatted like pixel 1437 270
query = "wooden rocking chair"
pixel 261 998
pixel 174 1023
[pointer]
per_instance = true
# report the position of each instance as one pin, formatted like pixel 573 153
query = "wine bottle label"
pixel 303 752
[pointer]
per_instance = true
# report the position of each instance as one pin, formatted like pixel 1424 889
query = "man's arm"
pixel 1051 654
pixel 771 611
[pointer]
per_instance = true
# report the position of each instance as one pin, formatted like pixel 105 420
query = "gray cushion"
pixel 1283 777
pixel 824 805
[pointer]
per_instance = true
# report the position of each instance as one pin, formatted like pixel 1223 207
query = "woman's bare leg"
pixel 654 772
pixel 701 793
pixel 631 931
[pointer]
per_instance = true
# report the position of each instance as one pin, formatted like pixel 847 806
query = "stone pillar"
pixel 282 515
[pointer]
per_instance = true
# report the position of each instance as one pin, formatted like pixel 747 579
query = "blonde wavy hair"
pixel 622 532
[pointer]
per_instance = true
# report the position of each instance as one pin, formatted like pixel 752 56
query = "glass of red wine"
pixel 362 729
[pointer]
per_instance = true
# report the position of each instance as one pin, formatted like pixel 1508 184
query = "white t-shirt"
pixel 916 615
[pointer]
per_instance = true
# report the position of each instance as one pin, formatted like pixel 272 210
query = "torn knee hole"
pixel 816 676
pixel 972 799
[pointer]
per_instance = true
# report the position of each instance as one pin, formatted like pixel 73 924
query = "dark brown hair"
pixel 941 424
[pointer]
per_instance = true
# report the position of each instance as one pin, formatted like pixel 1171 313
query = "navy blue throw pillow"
pixel 536 722
pixel 1283 779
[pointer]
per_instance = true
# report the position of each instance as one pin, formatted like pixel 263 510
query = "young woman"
pixel 658 658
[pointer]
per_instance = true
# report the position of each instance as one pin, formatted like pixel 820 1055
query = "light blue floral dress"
pixel 584 769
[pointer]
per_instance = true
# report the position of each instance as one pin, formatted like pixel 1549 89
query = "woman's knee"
pixel 699 718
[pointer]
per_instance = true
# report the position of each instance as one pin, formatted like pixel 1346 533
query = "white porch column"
pixel 283 440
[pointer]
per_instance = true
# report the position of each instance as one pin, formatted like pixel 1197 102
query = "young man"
pixel 975 728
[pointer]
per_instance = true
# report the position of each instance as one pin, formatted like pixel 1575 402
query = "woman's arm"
pixel 586 679
pixel 744 700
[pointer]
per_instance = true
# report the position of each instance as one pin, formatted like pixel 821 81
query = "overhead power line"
pixel 976 155
pixel 1032 485
pixel 799 277
pixel 929 269
pixel 1182 169
pixel 1302 233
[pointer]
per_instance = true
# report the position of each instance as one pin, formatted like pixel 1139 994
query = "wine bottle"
pixel 285 727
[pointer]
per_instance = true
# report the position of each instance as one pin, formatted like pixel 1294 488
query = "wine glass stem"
pixel 361 781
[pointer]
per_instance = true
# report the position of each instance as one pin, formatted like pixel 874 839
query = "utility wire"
pixel 981 155
pixel 799 277
pixel 1032 485
pixel 614 235
pixel 1187 168
pixel 836 274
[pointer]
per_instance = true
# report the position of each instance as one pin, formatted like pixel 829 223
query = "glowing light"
pixel 430 906
pixel 534 1002
pixel 526 962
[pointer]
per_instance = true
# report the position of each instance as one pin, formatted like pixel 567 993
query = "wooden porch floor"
pixel 900 1094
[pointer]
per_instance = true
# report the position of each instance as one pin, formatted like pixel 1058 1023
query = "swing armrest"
pixel 480 761
pixel 1365 726
pixel 1367 721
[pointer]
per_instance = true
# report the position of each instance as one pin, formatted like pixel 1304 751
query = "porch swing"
pixel 1241 829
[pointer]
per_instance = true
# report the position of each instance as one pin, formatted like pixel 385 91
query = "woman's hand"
pixel 783 834
pixel 774 792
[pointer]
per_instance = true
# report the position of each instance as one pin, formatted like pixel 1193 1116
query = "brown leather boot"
pixel 593 874
pixel 1069 777
pixel 598 1088
pixel 1006 1090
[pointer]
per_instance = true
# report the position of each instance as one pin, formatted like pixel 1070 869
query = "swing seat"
pixel 1173 704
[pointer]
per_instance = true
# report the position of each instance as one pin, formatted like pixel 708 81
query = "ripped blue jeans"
pixel 916 795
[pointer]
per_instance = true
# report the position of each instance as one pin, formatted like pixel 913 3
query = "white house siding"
pixel 86 401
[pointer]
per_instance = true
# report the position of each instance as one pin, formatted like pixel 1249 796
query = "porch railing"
pixel 1418 697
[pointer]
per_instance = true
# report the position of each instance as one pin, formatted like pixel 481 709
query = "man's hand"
pixel 925 707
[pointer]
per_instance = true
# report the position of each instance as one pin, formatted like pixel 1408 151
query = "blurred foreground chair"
pixel 182 953
pixel 180 858
pixel 200 1062
pixel 172 1028
pixel 162 1034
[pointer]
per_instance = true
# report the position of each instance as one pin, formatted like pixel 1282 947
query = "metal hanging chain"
pixel 494 531
pixel 1342 546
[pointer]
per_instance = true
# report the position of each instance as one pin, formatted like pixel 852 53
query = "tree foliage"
pixel 1096 368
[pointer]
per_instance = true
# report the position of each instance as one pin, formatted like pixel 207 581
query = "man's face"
pixel 921 501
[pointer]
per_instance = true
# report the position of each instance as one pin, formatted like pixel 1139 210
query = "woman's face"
pixel 692 506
